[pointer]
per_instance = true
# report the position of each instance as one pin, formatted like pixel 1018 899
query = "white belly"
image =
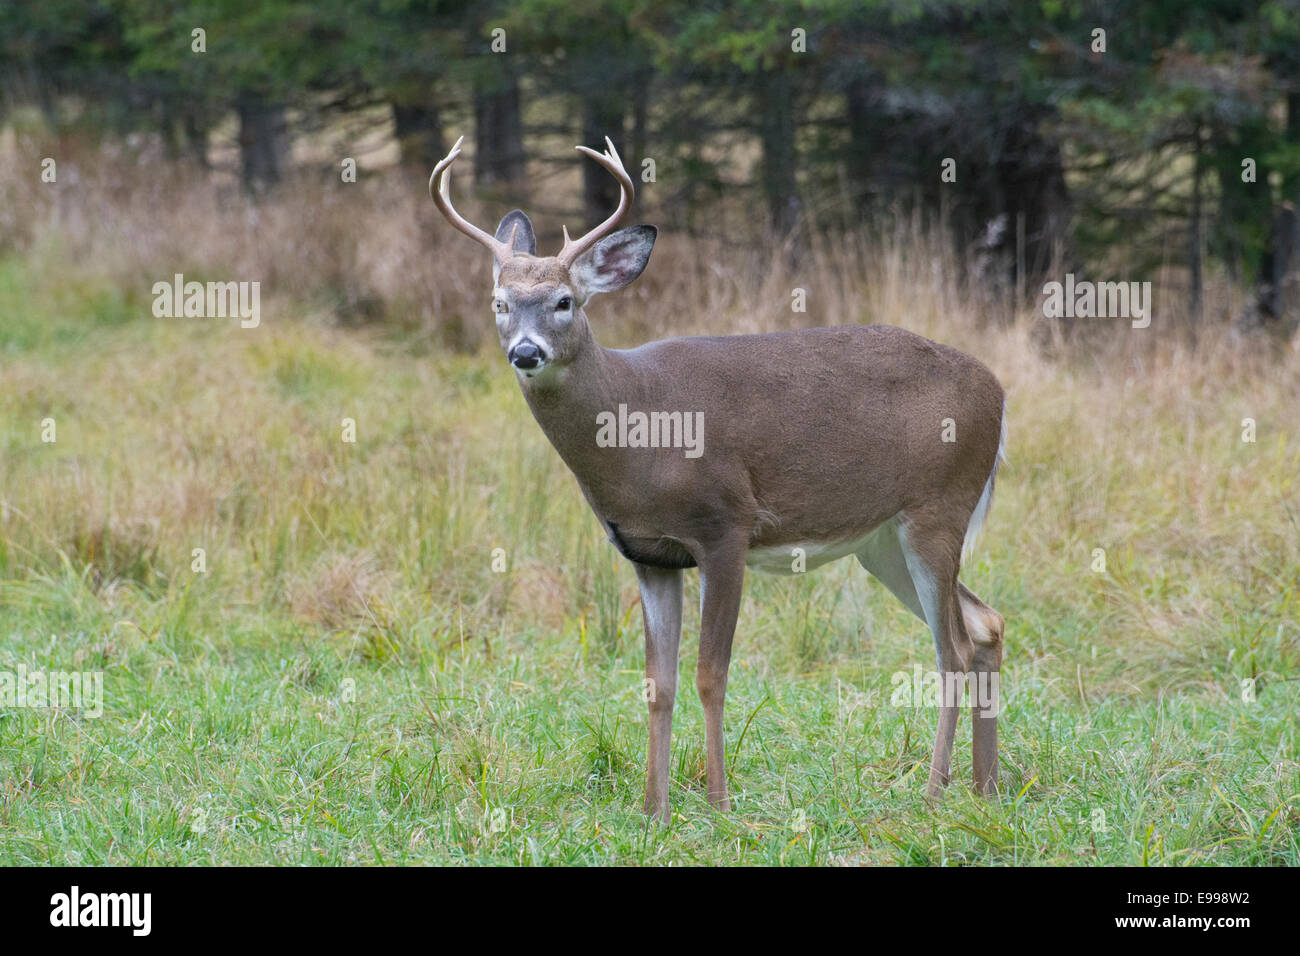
pixel 785 559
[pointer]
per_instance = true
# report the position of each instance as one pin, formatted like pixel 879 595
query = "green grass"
pixel 349 681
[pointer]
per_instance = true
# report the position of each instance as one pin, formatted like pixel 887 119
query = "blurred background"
pixel 1160 142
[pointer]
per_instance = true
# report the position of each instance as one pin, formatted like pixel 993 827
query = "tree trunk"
pixel 638 142
pixel 263 141
pixel 1018 217
pixel 1276 304
pixel 602 115
pixel 196 137
pixel 776 135
pixel 184 131
pixel 1194 262
pixel 864 117
pixel 499 137
pixel 418 129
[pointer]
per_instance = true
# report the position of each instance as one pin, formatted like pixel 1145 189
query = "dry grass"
pixel 341 591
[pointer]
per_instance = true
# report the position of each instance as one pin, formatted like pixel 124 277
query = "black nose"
pixel 526 355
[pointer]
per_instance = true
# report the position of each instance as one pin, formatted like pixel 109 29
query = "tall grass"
pixel 231 731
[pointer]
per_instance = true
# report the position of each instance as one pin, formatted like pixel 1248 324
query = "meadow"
pixel 419 648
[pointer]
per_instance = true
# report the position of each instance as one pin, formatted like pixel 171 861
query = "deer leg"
pixel 883 557
pixel 661 610
pixel 722 578
pixel 933 558
pixel 985 627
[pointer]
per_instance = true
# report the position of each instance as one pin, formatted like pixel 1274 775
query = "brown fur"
pixel 822 437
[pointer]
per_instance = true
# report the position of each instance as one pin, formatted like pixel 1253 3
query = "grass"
pixel 349 680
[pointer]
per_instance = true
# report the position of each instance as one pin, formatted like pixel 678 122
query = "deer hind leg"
pixel 932 553
pixel 722 578
pixel 985 627
pixel 882 556
pixel 920 568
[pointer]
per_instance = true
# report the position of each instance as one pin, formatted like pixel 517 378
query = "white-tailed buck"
pixel 727 451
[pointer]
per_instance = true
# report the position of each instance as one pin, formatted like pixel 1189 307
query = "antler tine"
pixel 611 162
pixel 439 191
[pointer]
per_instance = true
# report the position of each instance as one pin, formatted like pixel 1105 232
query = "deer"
pixel 864 440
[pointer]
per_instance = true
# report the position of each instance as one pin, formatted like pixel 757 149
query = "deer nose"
pixel 526 355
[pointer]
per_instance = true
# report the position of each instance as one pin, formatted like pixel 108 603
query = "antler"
pixel 609 159
pixel 442 198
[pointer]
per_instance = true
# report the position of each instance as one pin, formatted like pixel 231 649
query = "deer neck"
pixel 566 403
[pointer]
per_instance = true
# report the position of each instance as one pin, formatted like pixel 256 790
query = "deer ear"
pixel 515 223
pixel 613 262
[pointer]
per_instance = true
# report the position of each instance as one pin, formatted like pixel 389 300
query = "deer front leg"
pixel 661 609
pixel 722 578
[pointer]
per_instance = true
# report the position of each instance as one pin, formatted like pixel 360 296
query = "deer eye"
pixel 500 306
pixel 564 305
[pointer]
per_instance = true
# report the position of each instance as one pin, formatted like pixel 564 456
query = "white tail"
pixel 986 498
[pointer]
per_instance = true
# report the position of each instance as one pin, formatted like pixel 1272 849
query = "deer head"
pixel 538 300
